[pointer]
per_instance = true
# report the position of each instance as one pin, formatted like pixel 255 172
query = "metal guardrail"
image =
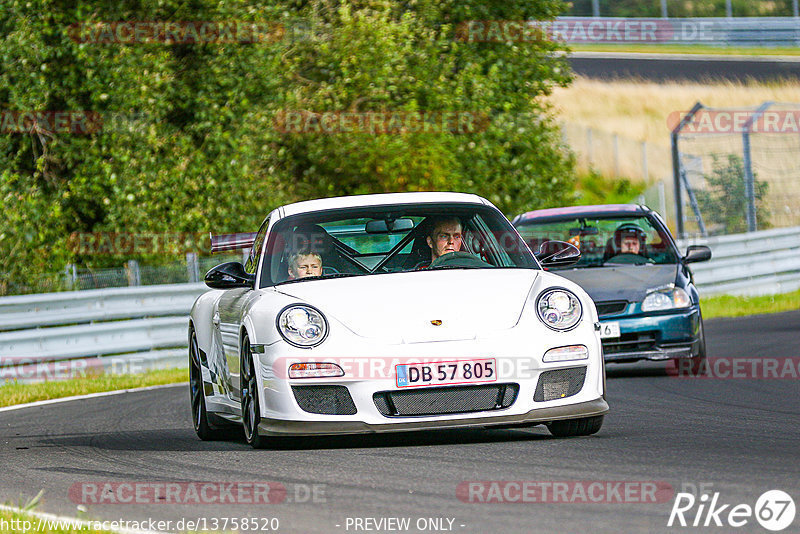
pixel 133 329
pixel 757 263
pixel 115 330
pixel 716 31
pixel 93 305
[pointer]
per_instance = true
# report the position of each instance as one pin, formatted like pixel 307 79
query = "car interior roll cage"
pixel 350 254
pixel 598 255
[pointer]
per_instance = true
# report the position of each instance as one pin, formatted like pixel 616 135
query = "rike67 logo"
pixel 774 510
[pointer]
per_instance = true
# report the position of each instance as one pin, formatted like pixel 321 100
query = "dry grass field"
pixel 639 109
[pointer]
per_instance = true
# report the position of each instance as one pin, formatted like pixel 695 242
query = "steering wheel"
pixel 630 259
pixel 458 259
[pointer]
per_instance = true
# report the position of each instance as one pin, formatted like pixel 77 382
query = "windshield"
pixel 604 240
pixel 391 239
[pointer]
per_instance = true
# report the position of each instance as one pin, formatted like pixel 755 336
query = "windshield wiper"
pixel 458 267
pixel 322 277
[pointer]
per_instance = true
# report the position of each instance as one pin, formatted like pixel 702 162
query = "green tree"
pixel 195 148
pixel 724 202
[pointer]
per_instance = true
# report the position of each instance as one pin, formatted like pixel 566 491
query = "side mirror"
pixel 229 276
pixel 695 253
pixel 558 254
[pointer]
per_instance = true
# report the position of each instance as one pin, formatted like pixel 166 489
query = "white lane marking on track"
pixel 74 520
pixel 88 396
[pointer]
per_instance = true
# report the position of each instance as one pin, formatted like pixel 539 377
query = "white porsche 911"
pixel 392 312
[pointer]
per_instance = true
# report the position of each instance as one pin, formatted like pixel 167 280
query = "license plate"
pixel 447 372
pixel 609 330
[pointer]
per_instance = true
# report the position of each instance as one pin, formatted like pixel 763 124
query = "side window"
pixel 252 259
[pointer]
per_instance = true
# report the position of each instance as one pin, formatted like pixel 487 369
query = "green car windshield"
pixel 600 239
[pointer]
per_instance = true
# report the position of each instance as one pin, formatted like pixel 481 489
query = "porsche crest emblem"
pixel 436 322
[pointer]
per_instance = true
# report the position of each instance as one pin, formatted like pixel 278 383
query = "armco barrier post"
pixel 192 267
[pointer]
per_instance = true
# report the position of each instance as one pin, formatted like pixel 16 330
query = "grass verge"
pixel 684 49
pixel 732 306
pixel 15 393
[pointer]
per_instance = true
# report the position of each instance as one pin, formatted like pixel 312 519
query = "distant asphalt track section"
pixel 735 437
pixel 689 67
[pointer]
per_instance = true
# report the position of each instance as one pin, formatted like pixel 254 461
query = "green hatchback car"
pixel 648 305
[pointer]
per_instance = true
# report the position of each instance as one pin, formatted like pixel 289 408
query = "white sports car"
pixel 392 312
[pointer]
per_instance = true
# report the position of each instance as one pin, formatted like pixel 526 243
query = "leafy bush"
pixel 594 188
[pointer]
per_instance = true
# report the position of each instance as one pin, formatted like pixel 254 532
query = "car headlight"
pixel 302 325
pixel 559 309
pixel 666 298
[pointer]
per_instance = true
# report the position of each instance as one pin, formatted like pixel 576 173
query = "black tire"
pixel 205 424
pixel 699 362
pixel 251 411
pixel 584 426
pixel 694 366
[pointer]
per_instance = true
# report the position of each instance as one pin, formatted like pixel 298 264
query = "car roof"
pixel 382 199
pixel 581 211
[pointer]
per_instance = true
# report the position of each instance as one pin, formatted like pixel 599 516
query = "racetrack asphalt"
pixel 688 67
pixel 738 437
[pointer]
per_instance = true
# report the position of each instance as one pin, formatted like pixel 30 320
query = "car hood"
pixel 399 307
pixel 622 282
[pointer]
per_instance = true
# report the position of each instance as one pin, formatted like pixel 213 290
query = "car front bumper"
pixel 278 427
pixel 538 395
pixel 655 336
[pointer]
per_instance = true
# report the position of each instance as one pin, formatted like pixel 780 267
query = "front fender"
pixel 201 316
pixel 261 314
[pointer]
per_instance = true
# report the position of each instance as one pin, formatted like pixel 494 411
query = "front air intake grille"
pixel 611 307
pixel 325 400
pixel 630 342
pixel 445 400
pixel 559 383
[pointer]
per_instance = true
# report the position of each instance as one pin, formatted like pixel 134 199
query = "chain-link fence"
pixel 738 168
pixel 611 154
pixel 72 278
pixel 614 155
